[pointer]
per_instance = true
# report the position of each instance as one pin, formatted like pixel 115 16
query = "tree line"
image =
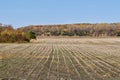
pixel 83 29
pixel 25 34
pixel 8 34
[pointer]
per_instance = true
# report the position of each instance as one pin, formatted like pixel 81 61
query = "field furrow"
pixel 61 59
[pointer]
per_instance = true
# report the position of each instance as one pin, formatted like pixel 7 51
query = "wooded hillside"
pixel 25 34
pixel 85 29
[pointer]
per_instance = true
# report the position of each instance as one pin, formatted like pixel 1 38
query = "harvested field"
pixel 61 59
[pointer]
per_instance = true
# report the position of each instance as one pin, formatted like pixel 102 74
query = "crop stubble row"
pixel 60 61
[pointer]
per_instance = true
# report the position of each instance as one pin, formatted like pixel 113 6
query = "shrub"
pixel 118 33
pixel 30 35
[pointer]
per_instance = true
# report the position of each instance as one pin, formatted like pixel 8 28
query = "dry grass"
pixel 77 40
pixel 1 57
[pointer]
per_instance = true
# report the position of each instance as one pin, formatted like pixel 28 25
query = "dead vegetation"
pixel 61 59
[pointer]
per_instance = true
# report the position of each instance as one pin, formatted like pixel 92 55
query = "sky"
pixel 19 13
